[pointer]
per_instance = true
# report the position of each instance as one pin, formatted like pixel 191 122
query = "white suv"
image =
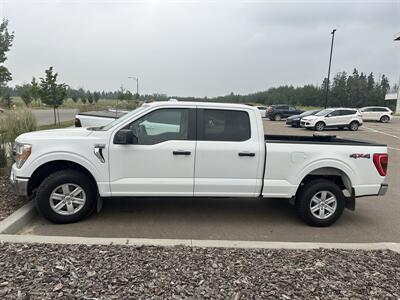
pixel 333 117
pixel 376 113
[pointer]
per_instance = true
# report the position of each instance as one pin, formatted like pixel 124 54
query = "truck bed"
pixel 104 114
pixel 317 139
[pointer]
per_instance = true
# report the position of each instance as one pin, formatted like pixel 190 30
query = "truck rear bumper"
pixel 383 189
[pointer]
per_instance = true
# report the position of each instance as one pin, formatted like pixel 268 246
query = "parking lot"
pixel 375 219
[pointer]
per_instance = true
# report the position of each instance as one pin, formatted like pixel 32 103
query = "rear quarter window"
pixel 224 125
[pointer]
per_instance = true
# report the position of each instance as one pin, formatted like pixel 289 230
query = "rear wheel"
pixel 320 126
pixel 320 203
pixel 277 117
pixel 384 119
pixel 66 196
pixel 353 126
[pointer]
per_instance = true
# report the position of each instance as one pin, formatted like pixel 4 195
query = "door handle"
pixel 181 152
pixel 247 154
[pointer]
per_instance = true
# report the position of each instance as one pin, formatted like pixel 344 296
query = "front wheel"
pixel 320 126
pixel 66 196
pixel 353 126
pixel 320 203
pixel 278 117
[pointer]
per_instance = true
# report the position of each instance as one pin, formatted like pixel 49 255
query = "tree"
pixel 35 90
pixel 90 97
pixel 74 97
pixel 96 96
pixel 7 100
pixel 6 39
pixel 51 92
pixel 27 96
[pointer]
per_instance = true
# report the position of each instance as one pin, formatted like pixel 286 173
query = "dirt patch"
pixel 121 272
pixel 9 202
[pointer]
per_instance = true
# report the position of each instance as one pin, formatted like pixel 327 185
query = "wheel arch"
pixel 334 174
pixel 50 167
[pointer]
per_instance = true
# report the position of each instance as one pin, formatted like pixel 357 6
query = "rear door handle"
pixel 180 152
pixel 247 154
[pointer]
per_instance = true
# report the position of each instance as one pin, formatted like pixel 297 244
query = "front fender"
pixel 67 156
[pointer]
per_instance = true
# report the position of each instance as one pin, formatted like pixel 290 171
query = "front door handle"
pixel 181 152
pixel 247 154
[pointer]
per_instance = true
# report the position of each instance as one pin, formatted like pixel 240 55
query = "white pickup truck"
pixel 178 149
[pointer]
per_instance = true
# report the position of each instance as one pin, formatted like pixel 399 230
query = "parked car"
pixel 333 117
pixel 262 110
pixel 294 121
pixel 281 111
pixel 376 113
pixel 153 151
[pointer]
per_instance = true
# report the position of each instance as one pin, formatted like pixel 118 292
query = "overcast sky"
pixel 200 48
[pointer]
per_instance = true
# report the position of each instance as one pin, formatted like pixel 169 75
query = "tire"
pixel 353 126
pixel 54 188
pixel 320 126
pixel 307 199
pixel 384 119
pixel 277 117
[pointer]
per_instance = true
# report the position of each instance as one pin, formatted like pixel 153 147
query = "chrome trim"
pixel 383 189
pixel 19 185
pixel 98 152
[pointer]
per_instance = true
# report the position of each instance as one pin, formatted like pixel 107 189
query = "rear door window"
pixel 223 125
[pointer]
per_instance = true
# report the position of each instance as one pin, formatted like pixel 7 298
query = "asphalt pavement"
pixel 376 219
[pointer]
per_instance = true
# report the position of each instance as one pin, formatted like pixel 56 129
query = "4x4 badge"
pixel 360 155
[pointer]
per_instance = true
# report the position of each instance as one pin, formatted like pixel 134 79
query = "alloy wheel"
pixel 67 199
pixel 323 204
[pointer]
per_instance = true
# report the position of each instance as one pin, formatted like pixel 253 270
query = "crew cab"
pixel 190 149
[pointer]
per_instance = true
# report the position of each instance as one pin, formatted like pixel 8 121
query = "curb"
pixel 32 239
pixel 21 217
pixel 18 219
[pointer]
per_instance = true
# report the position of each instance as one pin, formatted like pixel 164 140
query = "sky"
pixel 200 48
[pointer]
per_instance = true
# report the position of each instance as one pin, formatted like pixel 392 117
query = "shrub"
pixel 14 123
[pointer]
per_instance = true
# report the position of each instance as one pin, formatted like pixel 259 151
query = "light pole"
pixel 397 110
pixel 137 84
pixel 329 69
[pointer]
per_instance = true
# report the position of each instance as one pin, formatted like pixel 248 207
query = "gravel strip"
pixel 9 202
pixel 123 272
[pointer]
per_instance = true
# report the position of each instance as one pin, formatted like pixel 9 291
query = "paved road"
pixel 46 116
pixel 375 219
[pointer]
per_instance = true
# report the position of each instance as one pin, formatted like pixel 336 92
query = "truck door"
pixel 161 162
pixel 228 153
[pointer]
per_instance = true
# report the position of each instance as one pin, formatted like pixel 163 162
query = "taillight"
pixel 78 123
pixel 381 163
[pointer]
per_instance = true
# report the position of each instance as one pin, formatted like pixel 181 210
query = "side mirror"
pixel 328 116
pixel 125 137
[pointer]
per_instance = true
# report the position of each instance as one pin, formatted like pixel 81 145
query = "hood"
pixel 65 133
pixel 294 117
pixel 310 118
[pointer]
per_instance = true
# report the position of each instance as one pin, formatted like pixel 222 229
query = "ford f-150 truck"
pixel 189 149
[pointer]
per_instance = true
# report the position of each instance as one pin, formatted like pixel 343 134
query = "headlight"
pixel 22 153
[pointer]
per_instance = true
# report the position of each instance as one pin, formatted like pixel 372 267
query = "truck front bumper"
pixel 20 185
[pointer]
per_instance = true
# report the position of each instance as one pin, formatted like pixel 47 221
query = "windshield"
pixel 123 118
pixel 324 112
